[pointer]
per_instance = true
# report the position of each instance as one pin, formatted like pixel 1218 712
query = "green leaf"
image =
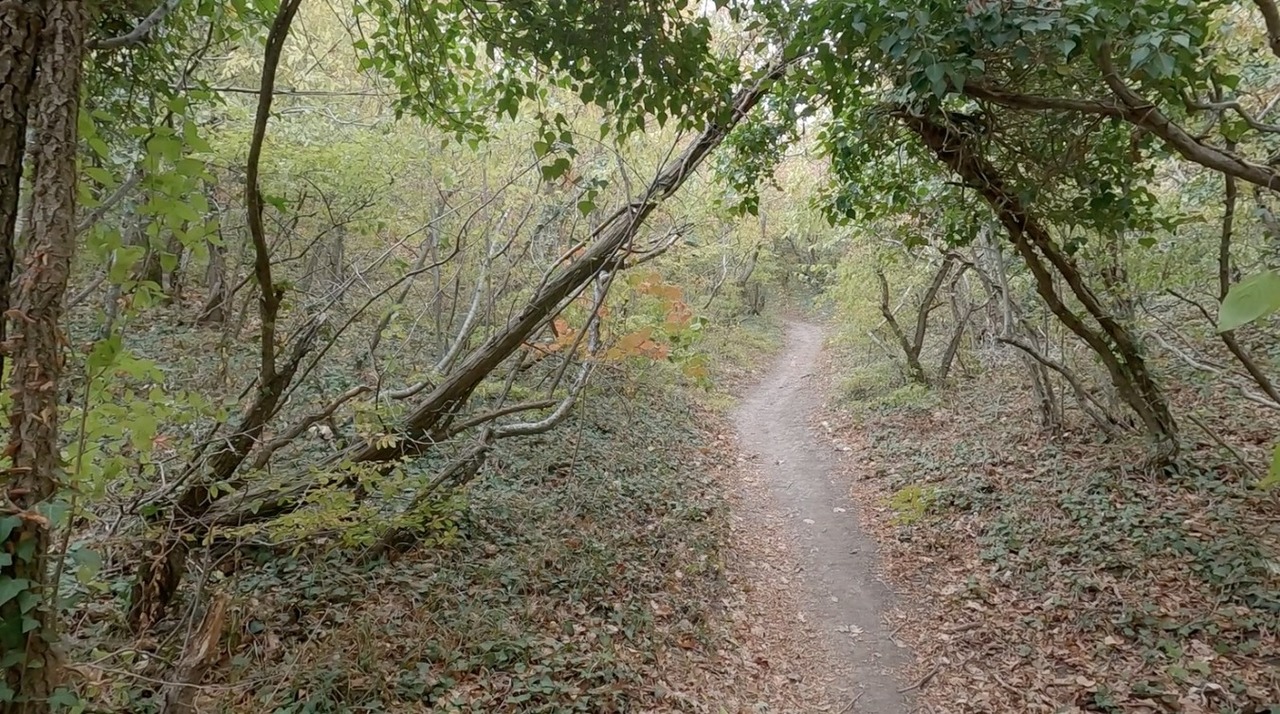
pixel 556 169
pixel 63 697
pixel 1139 56
pixel 12 587
pixel 191 136
pixel 88 563
pixel 99 147
pixel 1252 298
pixel 1273 474
pixel 104 352
pixel 8 524
pixel 100 175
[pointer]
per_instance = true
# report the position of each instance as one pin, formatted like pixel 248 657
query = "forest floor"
pixel 1049 572
pixel 792 551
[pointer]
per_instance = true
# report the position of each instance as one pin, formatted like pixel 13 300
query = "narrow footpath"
pixel 843 599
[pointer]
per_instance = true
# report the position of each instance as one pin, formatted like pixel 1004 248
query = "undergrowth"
pixel 579 566
pixel 1098 585
pixel 581 571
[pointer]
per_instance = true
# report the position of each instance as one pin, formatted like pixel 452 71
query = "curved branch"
pixel 1196 105
pixel 1098 411
pixel 498 413
pixel 1271 17
pixel 553 419
pixel 1143 113
pixel 140 33
pixel 269 299
pixel 1136 110
pixel 264 456
pixel 1037 102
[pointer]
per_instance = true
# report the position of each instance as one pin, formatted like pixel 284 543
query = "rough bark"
pixel 200 654
pixel 20 25
pixel 33 478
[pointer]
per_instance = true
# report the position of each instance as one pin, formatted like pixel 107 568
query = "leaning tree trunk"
pixel 27 626
pixel 1224 286
pixel 1111 341
pixel 427 422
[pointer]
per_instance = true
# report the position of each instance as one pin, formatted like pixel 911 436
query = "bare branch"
pixel 1218 439
pixel 1224 287
pixel 1196 105
pixel 554 418
pixel 1035 102
pixel 264 456
pixel 1147 115
pixel 110 202
pixel 663 245
pixel 1203 366
pixel 1137 111
pixel 140 33
pixel 1098 412
pixel 927 303
pixel 489 416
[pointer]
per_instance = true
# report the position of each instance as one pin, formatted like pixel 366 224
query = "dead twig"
pixel 849 707
pixel 1234 452
pixel 920 683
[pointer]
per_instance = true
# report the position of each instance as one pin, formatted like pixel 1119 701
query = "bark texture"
pixel 37 344
pixel 20 25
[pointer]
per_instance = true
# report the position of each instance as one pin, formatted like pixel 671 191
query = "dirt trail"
pixel 845 601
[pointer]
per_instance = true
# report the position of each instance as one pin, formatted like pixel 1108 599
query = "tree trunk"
pixel 1224 286
pixel 1005 323
pixel 26 624
pixel 20 25
pixel 214 311
pixel 1041 381
pixel 149 268
pixel 174 252
pixel 915 370
pixel 1112 341
pixel 164 560
pixel 752 295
